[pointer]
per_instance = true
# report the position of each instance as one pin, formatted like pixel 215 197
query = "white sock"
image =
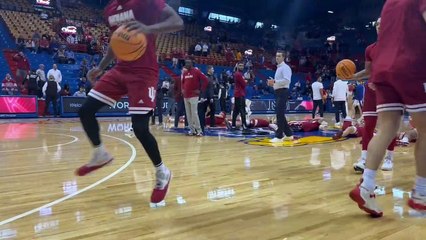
pixel 389 154
pixel 420 186
pixel 405 139
pixel 369 177
pixel 364 154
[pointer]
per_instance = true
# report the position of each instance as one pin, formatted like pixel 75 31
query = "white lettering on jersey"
pixel 189 76
pixel 120 18
pixel 152 93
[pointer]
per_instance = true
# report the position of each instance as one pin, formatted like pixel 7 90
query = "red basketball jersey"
pixel 401 45
pixel 148 12
pixel 370 52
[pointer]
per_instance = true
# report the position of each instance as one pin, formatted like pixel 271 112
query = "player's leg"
pixel 47 104
pixel 212 106
pixel 195 119
pixel 202 108
pixel 140 124
pixel 188 116
pixel 418 198
pixel 142 102
pixel 388 161
pixel 337 107
pixel 314 110
pixel 370 121
pixel 106 91
pixel 321 108
pixel 243 112
pixel 236 111
pixel 389 110
pixel 280 115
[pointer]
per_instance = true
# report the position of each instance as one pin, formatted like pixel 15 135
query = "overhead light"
pixel 331 12
pixel 367 26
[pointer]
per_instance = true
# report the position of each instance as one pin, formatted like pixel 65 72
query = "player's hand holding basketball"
pixel 137 27
pixel 93 74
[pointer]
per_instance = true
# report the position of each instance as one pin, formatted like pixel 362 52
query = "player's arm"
pixel 107 59
pixel 364 73
pixel 105 62
pixel 170 22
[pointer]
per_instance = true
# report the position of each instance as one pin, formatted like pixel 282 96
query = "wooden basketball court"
pixel 222 188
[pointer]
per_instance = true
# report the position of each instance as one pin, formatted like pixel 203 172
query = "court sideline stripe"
pixel 131 159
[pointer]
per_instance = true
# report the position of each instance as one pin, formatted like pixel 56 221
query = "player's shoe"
pixel 360 165
pixel 338 135
pixel 200 134
pixel 276 140
pixel 100 158
pixel 288 139
pixel 417 201
pixel 163 179
pixel 191 133
pixel 387 164
pixel 366 200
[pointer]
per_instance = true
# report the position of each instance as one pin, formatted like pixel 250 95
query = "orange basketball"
pixel 345 69
pixel 128 46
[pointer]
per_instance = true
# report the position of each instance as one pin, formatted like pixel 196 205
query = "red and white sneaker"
pixel 100 158
pixel 417 201
pixel 164 177
pixel 366 200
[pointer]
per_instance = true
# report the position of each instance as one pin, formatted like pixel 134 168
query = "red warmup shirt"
pixel 193 81
pixel 148 12
pixel 370 52
pixel 401 46
pixel 240 85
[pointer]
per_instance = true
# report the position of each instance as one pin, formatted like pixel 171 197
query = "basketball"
pixel 345 69
pixel 128 46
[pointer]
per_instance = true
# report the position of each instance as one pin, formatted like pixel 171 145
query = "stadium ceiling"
pixel 281 12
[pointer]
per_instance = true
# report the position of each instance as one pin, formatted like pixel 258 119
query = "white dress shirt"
pixel 282 76
pixel 56 73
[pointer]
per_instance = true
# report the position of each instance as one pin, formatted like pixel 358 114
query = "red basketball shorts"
pixel 397 93
pixel 369 107
pixel 139 88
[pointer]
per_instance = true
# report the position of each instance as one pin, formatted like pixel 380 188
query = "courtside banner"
pixel 267 106
pixel 71 105
pixel 18 106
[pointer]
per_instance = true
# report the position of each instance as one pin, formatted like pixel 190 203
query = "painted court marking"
pixel 75 139
pixel 131 159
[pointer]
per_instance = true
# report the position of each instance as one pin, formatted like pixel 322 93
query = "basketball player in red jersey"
pixel 350 130
pixel 399 80
pixel 137 79
pixel 369 112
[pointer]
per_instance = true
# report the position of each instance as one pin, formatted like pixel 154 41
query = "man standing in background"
pixel 281 84
pixel 56 73
pixel 239 95
pixel 207 100
pixel 340 90
pixel 317 97
pixel 193 82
